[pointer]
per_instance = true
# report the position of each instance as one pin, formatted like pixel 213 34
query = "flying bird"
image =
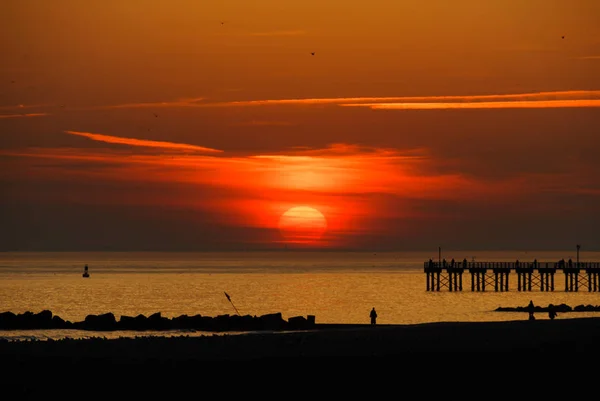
pixel 312 53
pixel 155 115
pixel 563 37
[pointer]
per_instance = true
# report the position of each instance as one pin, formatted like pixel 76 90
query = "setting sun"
pixel 302 224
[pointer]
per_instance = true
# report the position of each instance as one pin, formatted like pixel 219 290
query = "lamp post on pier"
pixel 578 246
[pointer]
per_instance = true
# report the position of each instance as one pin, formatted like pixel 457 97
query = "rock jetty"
pixel 156 322
pixel 562 308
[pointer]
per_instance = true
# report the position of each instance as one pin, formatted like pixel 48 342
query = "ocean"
pixel 335 287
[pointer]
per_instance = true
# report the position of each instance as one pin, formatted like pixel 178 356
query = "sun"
pixel 302 225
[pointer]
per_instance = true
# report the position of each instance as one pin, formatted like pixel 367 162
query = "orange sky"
pixel 195 125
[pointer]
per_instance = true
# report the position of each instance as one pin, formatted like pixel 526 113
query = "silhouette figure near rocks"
pixel 530 309
pixel 373 316
pixel 551 312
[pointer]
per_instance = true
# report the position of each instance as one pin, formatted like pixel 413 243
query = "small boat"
pixel 85 271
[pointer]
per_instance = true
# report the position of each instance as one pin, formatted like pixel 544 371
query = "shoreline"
pixel 325 341
pixel 179 365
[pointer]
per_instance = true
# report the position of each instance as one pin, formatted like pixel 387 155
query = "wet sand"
pixel 180 363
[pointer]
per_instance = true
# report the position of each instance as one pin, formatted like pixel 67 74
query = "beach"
pixel 355 349
pixel 460 343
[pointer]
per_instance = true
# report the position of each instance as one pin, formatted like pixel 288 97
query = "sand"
pixel 150 365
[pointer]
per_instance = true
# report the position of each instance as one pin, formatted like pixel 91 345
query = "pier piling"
pixel 530 275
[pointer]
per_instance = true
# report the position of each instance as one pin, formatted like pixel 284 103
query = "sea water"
pixel 335 287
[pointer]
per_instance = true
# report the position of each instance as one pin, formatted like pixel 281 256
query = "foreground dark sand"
pixel 151 365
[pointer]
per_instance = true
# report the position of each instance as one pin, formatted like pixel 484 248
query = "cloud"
pixel 24 115
pixel 23 106
pixel 143 142
pixel 345 172
pixel 589 58
pixel 186 102
pixel 549 99
pixel 335 170
pixel 356 186
pixel 521 104
pixel 585 98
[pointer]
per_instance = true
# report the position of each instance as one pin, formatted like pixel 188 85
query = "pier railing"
pixel 530 275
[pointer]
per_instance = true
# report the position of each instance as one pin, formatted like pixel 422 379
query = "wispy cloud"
pixel 279 33
pixel 143 142
pixel 550 99
pixel 589 58
pixel 187 102
pixel 24 115
pixel 337 169
pixel 23 106
pixel 522 104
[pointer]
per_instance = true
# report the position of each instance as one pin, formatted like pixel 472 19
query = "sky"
pixel 233 125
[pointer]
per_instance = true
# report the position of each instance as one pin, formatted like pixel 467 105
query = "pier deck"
pixel 530 275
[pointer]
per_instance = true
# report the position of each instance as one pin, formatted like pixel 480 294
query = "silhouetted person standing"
pixel 373 316
pixel 551 312
pixel 530 309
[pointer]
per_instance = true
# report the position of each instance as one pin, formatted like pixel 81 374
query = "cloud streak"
pixel 527 104
pixel 187 102
pixel 143 142
pixel 549 99
pixel 23 106
pixel 24 115
pixel 575 95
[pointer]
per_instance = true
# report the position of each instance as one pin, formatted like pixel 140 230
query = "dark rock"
pixel 102 322
pixel 140 322
pixel 157 322
pixel 272 321
pixel 8 320
pixel 58 323
pixel 126 323
pixel 196 322
pixel 562 308
pixel 297 322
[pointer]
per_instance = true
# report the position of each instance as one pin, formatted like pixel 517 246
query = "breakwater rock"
pixel 108 322
pixel 562 308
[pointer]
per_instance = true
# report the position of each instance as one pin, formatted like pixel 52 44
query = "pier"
pixel 530 276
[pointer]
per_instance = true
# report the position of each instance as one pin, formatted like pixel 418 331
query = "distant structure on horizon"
pixel 86 273
pixel 444 274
